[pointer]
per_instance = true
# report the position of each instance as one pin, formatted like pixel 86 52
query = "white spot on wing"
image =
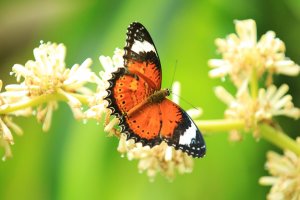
pixel 188 135
pixel 145 46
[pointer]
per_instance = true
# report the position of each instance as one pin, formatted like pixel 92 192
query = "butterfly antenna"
pixel 178 96
pixel 173 77
pixel 185 101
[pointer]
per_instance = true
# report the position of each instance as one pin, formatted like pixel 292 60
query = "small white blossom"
pixel 284 175
pixel 175 91
pixel 6 124
pixel 195 113
pixel 243 55
pixel 97 104
pixel 44 114
pixel 274 101
pixel 269 103
pixel 7 150
pixel 47 74
pixel 6 134
pixel 158 159
pixel 239 107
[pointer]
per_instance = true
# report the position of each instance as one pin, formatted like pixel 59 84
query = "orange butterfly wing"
pixel 166 121
pixel 154 122
pixel 126 91
pixel 141 56
pixel 129 87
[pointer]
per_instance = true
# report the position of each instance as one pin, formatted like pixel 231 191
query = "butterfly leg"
pixel 157 97
pixel 138 107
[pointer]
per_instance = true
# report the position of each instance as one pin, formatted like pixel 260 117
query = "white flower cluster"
pixel 97 104
pixel 48 74
pixel 158 159
pixel 285 175
pixel 43 81
pixel 245 60
pixel 270 102
pixel 242 53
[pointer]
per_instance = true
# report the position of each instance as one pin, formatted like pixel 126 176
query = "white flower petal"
pixel 195 112
pixel 176 87
pixel 106 62
pixel 223 95
pixel 246 30
pixel 6 132
pixel 280 93
pixel 168 153
pixel 111 124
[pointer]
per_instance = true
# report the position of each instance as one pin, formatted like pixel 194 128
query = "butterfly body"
pixel 136 98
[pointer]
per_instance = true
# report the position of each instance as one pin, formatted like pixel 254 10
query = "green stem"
pixel 267 132
pixel 39 100
pixel 279 138
pixel 254 84
pixel 82 98
pixel 220 125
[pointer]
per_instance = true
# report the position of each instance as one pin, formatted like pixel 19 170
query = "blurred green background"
pixel 76 160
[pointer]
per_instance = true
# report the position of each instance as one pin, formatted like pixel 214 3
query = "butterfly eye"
pixel 168 92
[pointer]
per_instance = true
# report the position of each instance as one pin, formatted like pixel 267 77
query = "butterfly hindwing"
pixel 165 121
pixel 145 126
pixel 185 135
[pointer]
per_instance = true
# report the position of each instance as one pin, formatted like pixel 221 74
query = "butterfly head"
pixel 168 92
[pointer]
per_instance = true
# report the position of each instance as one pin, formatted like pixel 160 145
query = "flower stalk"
pixel 6 109
pixel 267 132
pixel 279 138
pixel 254 84
pixel 220 125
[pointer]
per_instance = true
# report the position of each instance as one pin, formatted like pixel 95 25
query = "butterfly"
pixel 136 98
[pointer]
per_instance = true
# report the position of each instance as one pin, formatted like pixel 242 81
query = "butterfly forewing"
pixel 141 56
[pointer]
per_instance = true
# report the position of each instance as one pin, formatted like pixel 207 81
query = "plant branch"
pixel 279 138
pixel 254 83
pixel 5 109
pixel 220 125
